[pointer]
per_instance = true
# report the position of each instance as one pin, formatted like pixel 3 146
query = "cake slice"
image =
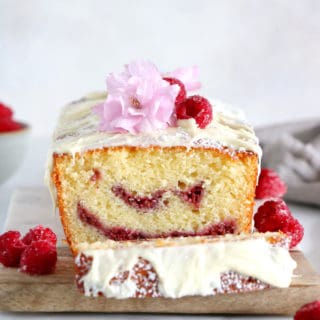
pixel 177 267
pixel 153 169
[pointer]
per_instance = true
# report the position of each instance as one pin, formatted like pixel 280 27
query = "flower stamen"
pixel 135 103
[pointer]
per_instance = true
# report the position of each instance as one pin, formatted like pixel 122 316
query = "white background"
pixel 262 55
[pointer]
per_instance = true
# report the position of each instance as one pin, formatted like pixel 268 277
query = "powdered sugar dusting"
pixel 180 267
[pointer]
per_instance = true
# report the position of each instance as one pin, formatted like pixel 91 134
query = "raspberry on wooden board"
pixel 275 215
pixel 35 253
pixel 270 185
pixel 310 311
pixel 40 257
pixel 40 233
pixel 11 248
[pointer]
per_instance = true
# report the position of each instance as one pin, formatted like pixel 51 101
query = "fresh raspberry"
pixel 11 248
pixel 274 215
pixel 5 112
pixel 40 233
pixel 182 92
pixel 295 230
pixel 196 107
pixel 39 257
pixel 270 185
pixel 7 125
pixel 310 311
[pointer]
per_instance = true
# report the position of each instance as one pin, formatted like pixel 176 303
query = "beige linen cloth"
pixel 293 150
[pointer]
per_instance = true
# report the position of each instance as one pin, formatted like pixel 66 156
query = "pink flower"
pixel 139 100
pixel 188 76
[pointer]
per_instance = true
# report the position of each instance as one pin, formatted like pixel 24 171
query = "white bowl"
pixel 13 147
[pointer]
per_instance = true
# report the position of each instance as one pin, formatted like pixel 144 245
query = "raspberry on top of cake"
pixel 148 159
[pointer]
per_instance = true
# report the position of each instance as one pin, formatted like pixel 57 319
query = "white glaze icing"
pixel 186 266
pixel 77 130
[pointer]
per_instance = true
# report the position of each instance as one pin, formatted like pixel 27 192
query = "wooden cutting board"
pixel 58 293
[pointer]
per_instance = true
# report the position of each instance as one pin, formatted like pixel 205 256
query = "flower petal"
pixel 139 100
pixel 127 124
pixel 189 77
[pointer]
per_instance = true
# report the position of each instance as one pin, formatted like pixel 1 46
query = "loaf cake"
pixel 177 267
pixel 147 161
pixel 155 189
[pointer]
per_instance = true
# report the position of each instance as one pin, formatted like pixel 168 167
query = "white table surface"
pixel 31 174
